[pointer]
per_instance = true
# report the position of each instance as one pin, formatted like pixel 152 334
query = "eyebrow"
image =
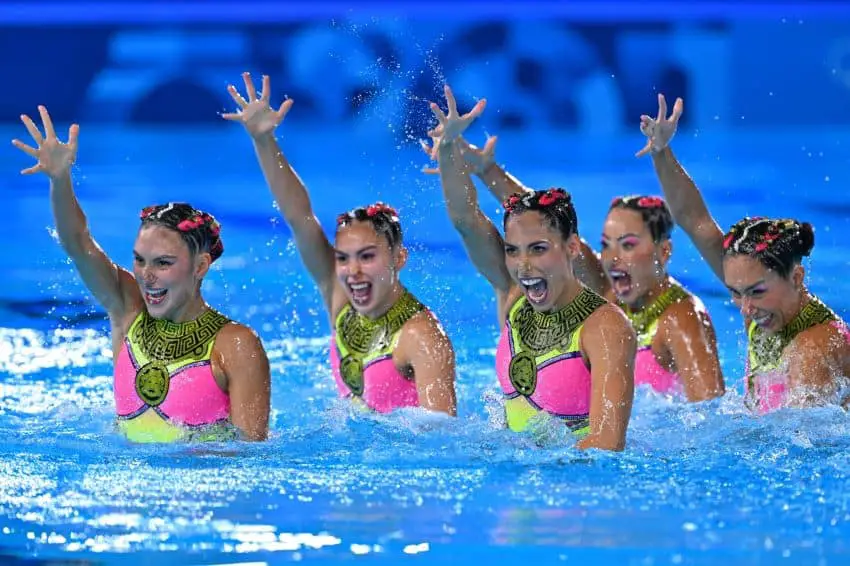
pixel 750 288
pixel 534 243
pixel 360 251
pixel 165 256
pixel 621 238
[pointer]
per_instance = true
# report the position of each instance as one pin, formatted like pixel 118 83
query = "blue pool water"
pixel 697 484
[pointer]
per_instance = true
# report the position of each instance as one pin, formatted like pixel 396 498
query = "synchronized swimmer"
pixel 579 329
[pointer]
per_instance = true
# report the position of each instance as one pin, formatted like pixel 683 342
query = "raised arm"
pixel 112 286
pixel 501 184
pixel 480 237
pixel 287 188
pixel 690 338
pixel 686 203
pixel 609 343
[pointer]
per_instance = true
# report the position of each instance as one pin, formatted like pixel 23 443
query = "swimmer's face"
pixel 367 268
pixel 168 275
pixel 634 263
pixel 540 260
pixel 764 297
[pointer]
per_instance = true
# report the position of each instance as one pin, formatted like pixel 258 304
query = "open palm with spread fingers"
pixel 254 112
pixel 452 125
pixel 660 131
pixel 54 157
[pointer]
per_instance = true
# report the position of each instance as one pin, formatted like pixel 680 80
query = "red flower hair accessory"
pixel 650 202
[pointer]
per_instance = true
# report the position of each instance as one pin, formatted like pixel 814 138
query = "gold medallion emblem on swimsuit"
pixel 152 383
pixel 523 373
pixel 351 371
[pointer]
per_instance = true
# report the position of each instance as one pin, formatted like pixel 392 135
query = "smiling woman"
pixel 388 350
pixel 181 369
pixel 798 351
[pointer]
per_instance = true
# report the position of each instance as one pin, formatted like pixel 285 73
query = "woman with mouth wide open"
pixel 677 348
pixel 182 370
pixel 798 351
pixel 565 352
pixel 388 350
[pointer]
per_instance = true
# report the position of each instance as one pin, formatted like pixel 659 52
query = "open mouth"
pixel 763 321
pixel 155 296
pixel 361 293
pixel 536 289
pixel 621 282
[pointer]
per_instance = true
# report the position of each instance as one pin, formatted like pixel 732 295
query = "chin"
pixel 362 308
pixel 156 312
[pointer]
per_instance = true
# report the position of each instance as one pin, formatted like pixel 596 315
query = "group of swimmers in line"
pixel 579 328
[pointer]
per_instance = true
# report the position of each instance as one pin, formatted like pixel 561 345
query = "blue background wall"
pixel 575 65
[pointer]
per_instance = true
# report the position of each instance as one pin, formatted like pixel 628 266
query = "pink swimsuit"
pixel 767 380
pixel 164 386
pixel 540 366
pixel 362 357
pixel 645 323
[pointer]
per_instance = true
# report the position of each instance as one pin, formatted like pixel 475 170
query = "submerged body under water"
pixel 697 484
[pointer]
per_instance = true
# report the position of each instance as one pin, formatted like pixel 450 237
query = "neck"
pixel 571 290
pixel 805 299
pixel 387 303
pixel 190 311
pixel 650 297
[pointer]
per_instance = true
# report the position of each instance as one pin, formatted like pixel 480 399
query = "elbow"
pixel 600 443
pixel 463 221
pixel 255 435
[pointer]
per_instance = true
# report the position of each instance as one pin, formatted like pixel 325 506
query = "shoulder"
pixel 609 318
pixel 424 328
pixel 819 341
pixel 238 339
pixel 608 337
pixel 687 314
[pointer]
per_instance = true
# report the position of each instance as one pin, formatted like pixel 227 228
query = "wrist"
pixel 487 172
pixel 263 140
pixel 61 178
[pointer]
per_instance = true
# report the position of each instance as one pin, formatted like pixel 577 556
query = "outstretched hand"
pixel 452 125
pixel 477 159
pixel 54 158
pixel 255 113
pixel 660 131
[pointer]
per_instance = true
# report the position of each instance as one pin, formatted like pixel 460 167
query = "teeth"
pixel 615 273
pixel 761 319
pixel 359 286
pixel 156 292
pixel 531 282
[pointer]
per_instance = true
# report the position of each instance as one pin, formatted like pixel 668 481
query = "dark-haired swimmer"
pixel 565 352
pixel 388 350
pixel 677 345
pixel 677 348
pixel 182 370
pixel 798 349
